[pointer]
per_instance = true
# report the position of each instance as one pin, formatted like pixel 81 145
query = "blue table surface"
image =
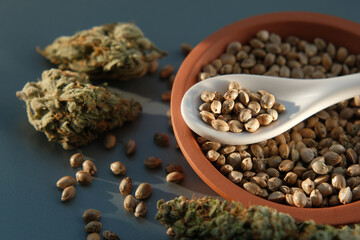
pixel 30 206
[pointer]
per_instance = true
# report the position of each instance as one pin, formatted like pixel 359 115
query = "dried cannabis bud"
pixel 70 110
pixel 207 218
pixel 112 51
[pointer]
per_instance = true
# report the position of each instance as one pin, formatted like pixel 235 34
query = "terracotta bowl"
pixel 307 26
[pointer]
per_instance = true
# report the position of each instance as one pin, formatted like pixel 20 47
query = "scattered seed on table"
pixel 173 168
pixel 129 203
pixel 93 226
pixel 140 210
pixel 83 178
pixel 153 66
pixel 91 215
pixel 130 147
pixel 110 141
pixel 65 182
pixel 166 71
pixel 166 96
pixel 76 160
pixel 126 186
pixel 161 139
pixel 143 191
pixel 68 193
pixel 153 162
pixel 93 236
pixel 108 235
pixel 175 177
pixel 118 168
pixel 90 167
pixel 186 48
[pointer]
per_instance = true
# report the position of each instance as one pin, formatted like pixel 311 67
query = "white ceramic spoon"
pixel 301 97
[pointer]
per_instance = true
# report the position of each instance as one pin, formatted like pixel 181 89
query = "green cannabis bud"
pixel 70 110
pixel 207 218
pixel 111 51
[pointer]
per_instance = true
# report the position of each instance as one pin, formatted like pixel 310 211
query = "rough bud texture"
pixel 71 111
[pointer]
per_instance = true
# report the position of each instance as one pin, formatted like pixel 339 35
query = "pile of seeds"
pixel 314 164
pixel 83 177
pixel 239 109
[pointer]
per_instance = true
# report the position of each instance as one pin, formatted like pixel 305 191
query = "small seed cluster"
pixel 239 109
pixel 317 162
pixel 83 177
pixel 93 226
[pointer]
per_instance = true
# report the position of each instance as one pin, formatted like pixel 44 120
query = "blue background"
pixel 30 206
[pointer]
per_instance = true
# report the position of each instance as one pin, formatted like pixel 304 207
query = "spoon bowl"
pixel 301 97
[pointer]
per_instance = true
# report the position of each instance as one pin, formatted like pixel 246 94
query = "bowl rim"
pixel 342 214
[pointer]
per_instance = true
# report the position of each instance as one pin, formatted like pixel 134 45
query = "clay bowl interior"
pixel 307 26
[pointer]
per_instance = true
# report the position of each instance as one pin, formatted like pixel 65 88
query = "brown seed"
pixel 356 193
pixel 226 169
pixel 91 215
pixel 338 181
pixel 153 162
pixel 207 96
pixel 215 107
pixel 143 191
pixel 299 199
pixel 284 151
pixel 170 232
pixel 252 188
pixel 118 168
pixel 107 235
pixel 83 178
pixel 233 47
pixel 345 195
pixel 316 198
pixel 286 166
pixel 93 226
pixel 220 125
pixel 76 160
pixel 129 203
pixel 325 189
pixel 235 126
pixel 279 107
pixel 173 168
pixel 307 154
pixel 320 167
pixel 203 75
pixel 353 170
pixel 126 186
pixel 332 158
pixel 210 146
pixel 153 66
pixel 276 196
pixel 65 182
pixel 252 125
pixel 227 106
pixel 274 183
pixel 186 48
pixel 90 167
pixel 93 236
pixel 161 139
pixel 308 185
pixel 246 164
pixel 140 210
pixel 166 96
pixel 207 117
pixel 109 141
pixel 68 193
pixel 175 177
pixel 130 147
pixel 235 176
pixel 264 119
pixel 166 71
pixel 290 178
